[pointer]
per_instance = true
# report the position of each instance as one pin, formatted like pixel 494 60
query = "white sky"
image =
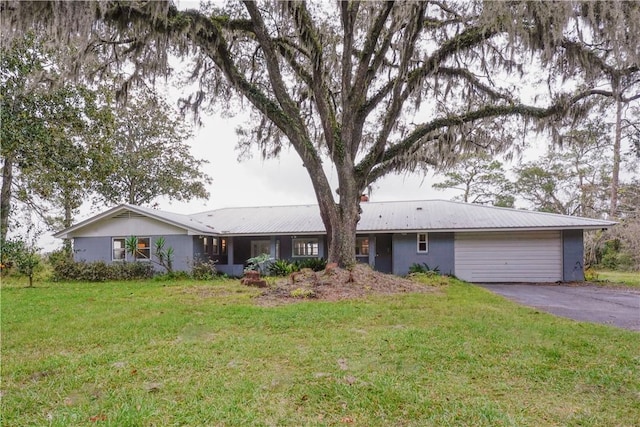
pixel 281 181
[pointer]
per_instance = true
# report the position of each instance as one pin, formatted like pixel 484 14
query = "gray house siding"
pixel 183 250
pixel 92 249
pixel 572 255
pixel 440 252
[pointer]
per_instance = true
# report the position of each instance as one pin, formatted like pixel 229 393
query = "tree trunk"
pixel 341 235
pixel 5 197
pixel 583 190
pixel 66 223
pixel 615 174
pixel 340 219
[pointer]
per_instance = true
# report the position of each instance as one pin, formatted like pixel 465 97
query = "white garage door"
pixel 509 256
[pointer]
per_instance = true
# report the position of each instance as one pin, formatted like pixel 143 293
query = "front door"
pixel 383 253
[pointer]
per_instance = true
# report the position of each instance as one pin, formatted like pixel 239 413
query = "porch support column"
pixel 272 247
pixel 229 250
pixel 372 250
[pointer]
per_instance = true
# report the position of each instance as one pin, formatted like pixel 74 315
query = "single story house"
pixel 473 242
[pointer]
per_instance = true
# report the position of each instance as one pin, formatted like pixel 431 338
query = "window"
pixel 423 243
pixel 305 247
pixel 118 252
pixel 143 248
pixel 362 246
pixel 223 246
pixel 210 245
pixel 259 247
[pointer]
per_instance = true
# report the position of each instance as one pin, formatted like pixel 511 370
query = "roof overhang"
pixel 68 232
pixel 488 229
pixel 435 230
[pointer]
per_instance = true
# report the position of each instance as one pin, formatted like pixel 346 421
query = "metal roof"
pixel 265 220
pixel 404 216
pixel 442 215
pixel 192 225
pixel 425 215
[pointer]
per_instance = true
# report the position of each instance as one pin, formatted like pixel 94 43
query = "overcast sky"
pixel 282 181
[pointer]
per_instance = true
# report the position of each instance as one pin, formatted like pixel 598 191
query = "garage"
pixel 530 256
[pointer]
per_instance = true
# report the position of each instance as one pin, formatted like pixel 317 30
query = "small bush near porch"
pixel 189 353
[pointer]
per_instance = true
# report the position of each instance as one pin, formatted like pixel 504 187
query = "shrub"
pixel 590 275
pixel 625 261
pixel 58 256
pixel 315 264
pixel 203 270
pixel 66 269
pixel 99 271
pixel 259 263
pixel 282 267
pixel 423 268
pixel 130 270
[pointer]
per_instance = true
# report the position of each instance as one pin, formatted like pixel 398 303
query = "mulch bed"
pixel 335 284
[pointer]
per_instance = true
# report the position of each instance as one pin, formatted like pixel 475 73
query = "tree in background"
pixel 614 76
pixel 632 128
pixel 572 179
pixel 149 156
pixel 62 142
pixel 47 133
pixel 351 88
pixel 619 247
pixel 481 179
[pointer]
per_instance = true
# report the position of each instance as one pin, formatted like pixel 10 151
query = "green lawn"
pixel 187 353
pixel 630 278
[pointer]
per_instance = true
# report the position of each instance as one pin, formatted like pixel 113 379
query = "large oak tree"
pixel 374 87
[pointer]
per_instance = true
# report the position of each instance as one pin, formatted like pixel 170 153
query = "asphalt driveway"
pixel 611 306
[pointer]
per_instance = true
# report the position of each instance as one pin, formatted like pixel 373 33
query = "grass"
pixel 188 353
pixel 630 278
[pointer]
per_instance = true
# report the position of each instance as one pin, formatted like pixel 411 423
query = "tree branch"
pixel 416 139
pixel 361 83
pixel 273 68
pixel 311 39
pixel 464 40
pixel 475 82
pixel 399 95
